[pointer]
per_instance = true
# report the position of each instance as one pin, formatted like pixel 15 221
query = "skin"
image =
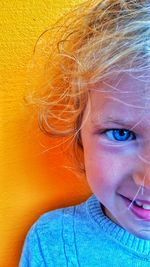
pixel 119 168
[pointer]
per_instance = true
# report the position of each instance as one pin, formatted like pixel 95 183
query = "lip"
pixel 141 200
pixel 138 211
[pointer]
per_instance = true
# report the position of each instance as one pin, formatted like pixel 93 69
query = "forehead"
pixel 122 91
pixel 125 98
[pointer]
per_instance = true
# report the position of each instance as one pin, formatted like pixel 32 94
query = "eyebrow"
pixel 120 122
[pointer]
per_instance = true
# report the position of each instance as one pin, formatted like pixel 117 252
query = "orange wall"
pixel 32 181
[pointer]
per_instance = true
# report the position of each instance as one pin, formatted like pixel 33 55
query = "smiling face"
pixel 117 162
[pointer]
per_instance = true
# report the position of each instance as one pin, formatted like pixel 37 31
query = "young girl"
pixel 98 92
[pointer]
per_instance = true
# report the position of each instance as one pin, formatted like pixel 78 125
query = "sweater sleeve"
pixel 44 244
pixel 31 255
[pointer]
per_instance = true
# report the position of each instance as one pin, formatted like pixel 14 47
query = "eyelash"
pixel 113 131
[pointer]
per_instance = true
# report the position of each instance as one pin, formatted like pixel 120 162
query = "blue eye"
pixel 119 134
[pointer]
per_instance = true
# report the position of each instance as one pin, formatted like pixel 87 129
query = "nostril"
pixel 142 180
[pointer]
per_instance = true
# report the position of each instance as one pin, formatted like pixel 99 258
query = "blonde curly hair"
pixel 88 45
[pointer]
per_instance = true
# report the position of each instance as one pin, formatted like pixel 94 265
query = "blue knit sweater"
pixel 82 236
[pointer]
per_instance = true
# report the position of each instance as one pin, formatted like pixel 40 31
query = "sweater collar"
pixel 128 240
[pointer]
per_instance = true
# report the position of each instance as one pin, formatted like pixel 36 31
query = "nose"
pixel 142 176
pixel 142 179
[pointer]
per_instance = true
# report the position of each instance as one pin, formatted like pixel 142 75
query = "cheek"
pixel 103 170
pixel 98 175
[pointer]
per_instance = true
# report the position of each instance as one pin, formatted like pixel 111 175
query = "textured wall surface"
pixel 32 181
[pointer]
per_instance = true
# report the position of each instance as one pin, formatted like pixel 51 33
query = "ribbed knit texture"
pixel 82 236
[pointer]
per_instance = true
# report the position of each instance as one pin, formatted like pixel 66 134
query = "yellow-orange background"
pixel 32 181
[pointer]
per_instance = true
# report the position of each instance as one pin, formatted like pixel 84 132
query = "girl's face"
pixel 116 141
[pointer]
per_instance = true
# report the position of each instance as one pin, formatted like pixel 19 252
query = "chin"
pixel 141 233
